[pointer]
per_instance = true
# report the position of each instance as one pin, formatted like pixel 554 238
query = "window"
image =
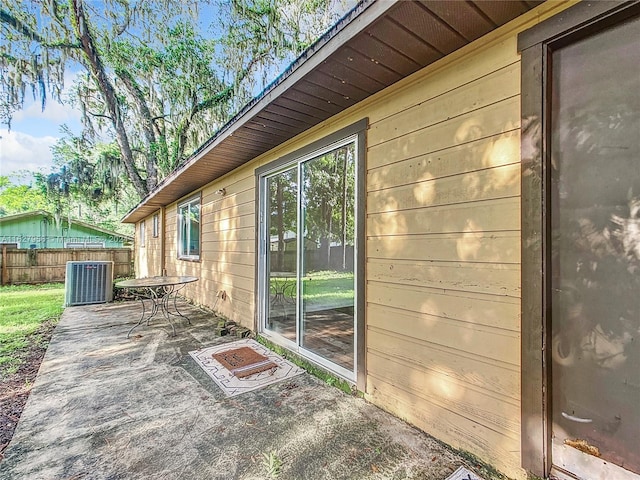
pixel 189 229
pixel 142 233
pixel 156 225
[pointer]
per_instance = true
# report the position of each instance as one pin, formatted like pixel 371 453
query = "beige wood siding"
pixel 154 245
pixel 443 251
pixel 442 229
pixel 148 258
pixel 227 256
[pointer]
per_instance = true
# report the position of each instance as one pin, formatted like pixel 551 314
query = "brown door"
pixel 595 254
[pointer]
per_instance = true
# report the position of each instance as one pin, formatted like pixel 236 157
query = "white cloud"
pixel 35 121
pixel 26 148
pixel 53 111
pixel 20 151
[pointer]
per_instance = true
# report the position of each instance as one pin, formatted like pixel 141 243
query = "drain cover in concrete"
pixel 463 474
pixel 231 384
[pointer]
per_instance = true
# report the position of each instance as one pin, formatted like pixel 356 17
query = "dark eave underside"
pixel 377 45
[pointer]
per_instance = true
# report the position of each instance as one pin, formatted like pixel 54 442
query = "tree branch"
pixel 97 70
pixel 146 124
pixel 100 115
pixel 9 19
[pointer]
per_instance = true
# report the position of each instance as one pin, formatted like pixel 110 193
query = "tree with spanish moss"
pixel 151 78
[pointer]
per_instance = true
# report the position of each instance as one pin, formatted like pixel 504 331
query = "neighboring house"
pixel 38 229
pixel 477 164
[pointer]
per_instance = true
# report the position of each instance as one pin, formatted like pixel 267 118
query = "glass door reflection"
pixel 327 261
pixel 282 253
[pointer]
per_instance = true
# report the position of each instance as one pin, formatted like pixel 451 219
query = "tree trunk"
pixel 108 92
pixel 326 242
pixel 147 127
pixel 280 224
pixel 344 210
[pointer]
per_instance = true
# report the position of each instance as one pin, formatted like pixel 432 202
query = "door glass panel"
pixel 327 280
pixel 595 248
pixel 282 252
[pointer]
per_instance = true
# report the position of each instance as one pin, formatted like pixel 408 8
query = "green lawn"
pixel 328 288
pixel 325 288
pixel 23 309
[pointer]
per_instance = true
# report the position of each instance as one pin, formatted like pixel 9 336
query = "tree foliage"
pixel 152 79
pixel 20 198
pixel 327 191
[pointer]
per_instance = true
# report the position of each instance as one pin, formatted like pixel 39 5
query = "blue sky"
pixel 27 146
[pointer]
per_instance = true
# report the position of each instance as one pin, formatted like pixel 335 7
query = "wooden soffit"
pixel 372 47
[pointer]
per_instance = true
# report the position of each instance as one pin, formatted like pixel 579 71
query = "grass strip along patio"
pixel 23 311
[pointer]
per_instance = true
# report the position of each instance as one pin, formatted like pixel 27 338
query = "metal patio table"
pixel 162 291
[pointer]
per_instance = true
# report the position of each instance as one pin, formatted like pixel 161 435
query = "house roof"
pixel 372 47
pixel 42 213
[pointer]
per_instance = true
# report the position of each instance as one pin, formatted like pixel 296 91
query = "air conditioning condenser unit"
pixel 88 282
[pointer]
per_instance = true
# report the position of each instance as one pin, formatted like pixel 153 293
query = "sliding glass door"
pixel 308 235
pixel 281 234
pixel 327 280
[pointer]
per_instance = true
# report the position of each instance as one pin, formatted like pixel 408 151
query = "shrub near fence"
pixel 44 265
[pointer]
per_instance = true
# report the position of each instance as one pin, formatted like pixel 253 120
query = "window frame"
pixel 536 46
pixel 193 200
pixel 358 131
pixel 156 225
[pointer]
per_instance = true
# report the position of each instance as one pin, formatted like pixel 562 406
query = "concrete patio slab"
pixel 107 407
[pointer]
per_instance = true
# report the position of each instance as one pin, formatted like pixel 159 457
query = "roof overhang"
pixel 375 45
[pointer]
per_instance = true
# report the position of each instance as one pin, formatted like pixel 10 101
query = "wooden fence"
pixel 42 265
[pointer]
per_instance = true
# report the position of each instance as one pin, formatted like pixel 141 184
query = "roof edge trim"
pixel 359 18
